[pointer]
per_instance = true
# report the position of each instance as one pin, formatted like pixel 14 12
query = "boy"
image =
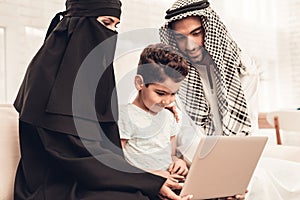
pixel 147 129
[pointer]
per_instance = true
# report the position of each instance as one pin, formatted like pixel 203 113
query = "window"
pixel 269 31
pixel 34 38
pixel 3 78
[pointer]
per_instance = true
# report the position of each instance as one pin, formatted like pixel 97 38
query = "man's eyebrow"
pixel 193 31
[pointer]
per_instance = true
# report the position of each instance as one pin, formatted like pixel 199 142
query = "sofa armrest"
pixel 9 150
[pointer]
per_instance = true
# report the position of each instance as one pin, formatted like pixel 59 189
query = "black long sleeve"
pixel 52 158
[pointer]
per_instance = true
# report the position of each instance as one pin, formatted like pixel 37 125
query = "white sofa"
pixel 283 152
pixel 277 175
pixel 9 150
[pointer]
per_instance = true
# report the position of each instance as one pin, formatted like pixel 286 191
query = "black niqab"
pixel 45 96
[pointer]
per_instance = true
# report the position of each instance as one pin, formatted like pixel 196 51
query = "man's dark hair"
pixel 159 62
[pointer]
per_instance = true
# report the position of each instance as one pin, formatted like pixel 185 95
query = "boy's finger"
pixel 177 176
pixel 171 167
pixel 175 169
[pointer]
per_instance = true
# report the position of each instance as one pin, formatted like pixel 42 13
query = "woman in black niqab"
pixel 57 160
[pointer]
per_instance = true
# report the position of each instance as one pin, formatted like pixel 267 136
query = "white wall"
pixel 267 29
pixel 20 45
pixel 24 24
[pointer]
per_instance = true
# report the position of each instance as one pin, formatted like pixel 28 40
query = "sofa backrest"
pixel 9 150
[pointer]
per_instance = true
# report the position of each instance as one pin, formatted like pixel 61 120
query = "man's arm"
pixel 250 84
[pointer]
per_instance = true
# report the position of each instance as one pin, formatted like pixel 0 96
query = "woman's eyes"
pixel 106 23
pixel 109 23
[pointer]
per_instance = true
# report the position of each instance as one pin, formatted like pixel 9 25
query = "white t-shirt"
pixel 148 146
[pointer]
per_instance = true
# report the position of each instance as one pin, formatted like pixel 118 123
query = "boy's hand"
pixel 178 167
pixel 166 192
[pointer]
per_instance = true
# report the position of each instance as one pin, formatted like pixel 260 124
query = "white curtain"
pixel 269 31
pixel 2 66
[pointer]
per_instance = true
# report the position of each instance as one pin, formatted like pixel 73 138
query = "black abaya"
pixel 58 161
pixel 58 166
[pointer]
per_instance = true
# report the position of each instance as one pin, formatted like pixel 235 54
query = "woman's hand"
pixel 178 167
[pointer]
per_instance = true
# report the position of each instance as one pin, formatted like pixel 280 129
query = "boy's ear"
pixel 139 82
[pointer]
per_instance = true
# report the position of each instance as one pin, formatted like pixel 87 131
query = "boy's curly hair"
pixel 159 62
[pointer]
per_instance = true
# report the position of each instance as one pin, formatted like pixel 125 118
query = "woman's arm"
pixel 104 169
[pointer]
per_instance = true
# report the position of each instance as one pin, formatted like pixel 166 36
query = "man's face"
pixel 189 35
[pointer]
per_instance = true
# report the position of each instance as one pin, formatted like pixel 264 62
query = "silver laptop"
pixel 223 166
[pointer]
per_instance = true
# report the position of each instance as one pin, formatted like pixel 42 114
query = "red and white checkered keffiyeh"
pixel 226 56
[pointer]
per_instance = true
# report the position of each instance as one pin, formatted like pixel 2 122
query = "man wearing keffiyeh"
pixel 220 89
